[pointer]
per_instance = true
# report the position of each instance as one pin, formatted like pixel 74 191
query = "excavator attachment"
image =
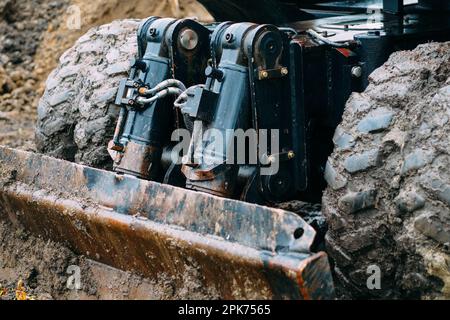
pixel 243 251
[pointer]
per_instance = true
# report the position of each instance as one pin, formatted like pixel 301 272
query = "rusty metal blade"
pixel 241 250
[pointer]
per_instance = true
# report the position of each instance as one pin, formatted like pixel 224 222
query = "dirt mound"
pixel 22 24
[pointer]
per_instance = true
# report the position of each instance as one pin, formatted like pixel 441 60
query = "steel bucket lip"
pixel 253 225
pixel 33 196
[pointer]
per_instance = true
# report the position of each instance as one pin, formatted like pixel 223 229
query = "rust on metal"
pixel 136 159
pixel 241 250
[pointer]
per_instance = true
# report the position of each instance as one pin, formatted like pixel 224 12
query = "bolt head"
pixel 153 32
pixel 357 72
pixel 189 39
pixel 285 71
pixel 229 37
pixel 264 74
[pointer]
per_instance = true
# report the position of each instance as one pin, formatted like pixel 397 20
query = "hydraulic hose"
pixel 319 37
pixel 164 85
pixel 182 98
pixel 160 95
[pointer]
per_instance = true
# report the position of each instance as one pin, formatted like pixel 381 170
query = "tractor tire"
pixel 77 115
pixel 388 199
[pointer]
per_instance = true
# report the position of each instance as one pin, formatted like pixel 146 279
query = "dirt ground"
pixel 33 35
pixel 34 269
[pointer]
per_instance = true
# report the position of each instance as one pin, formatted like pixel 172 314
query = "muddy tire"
pixel 77 115
pixel 388 200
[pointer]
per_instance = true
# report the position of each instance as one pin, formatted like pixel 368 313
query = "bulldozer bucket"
pixel 243 251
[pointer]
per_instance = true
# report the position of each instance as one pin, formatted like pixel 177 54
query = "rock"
pixel 6 83
pixel 5 116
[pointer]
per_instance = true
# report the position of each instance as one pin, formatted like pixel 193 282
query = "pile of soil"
pixel 22 24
